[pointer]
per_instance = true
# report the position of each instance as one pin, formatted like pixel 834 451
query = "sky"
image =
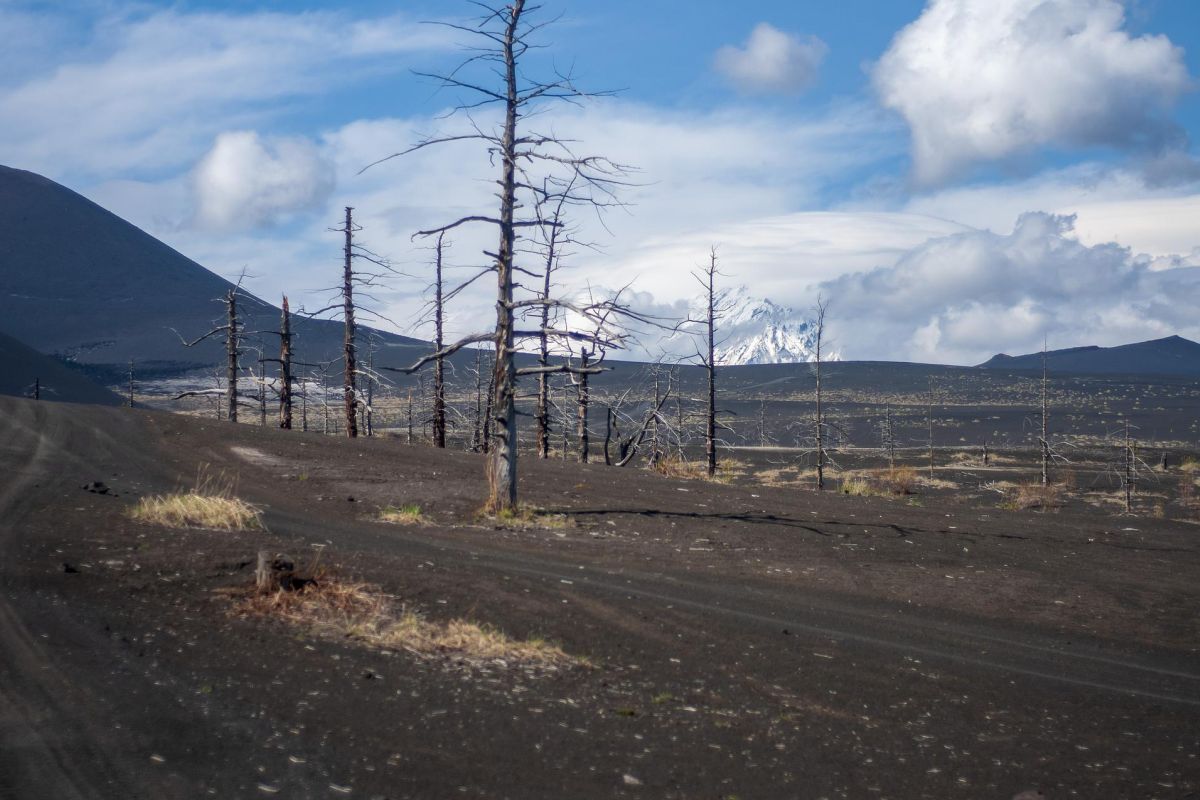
pixel 955 177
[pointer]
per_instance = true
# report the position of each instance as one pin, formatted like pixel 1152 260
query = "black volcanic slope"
pixel 1173 355
pixel 21 365
pixel 79 281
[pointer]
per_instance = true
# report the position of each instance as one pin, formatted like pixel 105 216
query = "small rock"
pixel 70 570
pixel 1030 794
pixel 96 487
pixel 632 781
pixel 350 499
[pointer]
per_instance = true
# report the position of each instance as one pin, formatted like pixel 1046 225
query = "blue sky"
pixel 861 149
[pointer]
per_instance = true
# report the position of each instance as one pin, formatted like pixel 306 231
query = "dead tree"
pixel 350 293
pixel 1044 441
pixel 348 342
pixel 889 437
pixel 505 32
pixel 285 367
pixel 649 427
pixel 439 364
pixel 583 395
pixel 716 306
pixel 819 419
pixel 233 349
pixel 929 420
pixel 554 237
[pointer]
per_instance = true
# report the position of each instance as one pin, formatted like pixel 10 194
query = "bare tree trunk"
pixel 477 433
pixel 1045 440
pixel 285 367
pixel 487 410
pixel 439 379
pixel 502 465
pixel 608 432
pixel 891 439
pixel 348 346
pixel 584 398
pixel 710 423
pixel 820 421
pixel 231 355
pixel 369 411
pixel 410 417
pixel 929 419
pixel 1129 469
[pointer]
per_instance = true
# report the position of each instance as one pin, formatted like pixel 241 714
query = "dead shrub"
pixel 673 466
pixel 363 613
pixel 1029 496
pixel 409 514
pixel 525 517
pixel 211 504
pixel 900 480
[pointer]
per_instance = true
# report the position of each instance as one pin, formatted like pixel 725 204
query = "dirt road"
pixel 742 643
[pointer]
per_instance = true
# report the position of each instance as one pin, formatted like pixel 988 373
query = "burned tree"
pixel 234 332
pixel 439 364
pixel 505 33
pixel 285 366
pixel 716 306
pixel 819 419
pixel 349 292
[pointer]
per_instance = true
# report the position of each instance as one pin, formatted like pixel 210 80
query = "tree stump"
pixel 273 572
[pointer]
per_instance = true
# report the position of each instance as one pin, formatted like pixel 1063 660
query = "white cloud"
pixel 772 61
pixel 148 91
pixel 962 298
pixel 1110 205
pixel 245 181
pixel 981 80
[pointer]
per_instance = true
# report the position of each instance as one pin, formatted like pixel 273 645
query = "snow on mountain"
pixel 757 331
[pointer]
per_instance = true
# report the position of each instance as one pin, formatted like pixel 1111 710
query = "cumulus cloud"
pixel 772 60
pixel 964 297
pixel 980 80
pixel 146 91
pixel 247 181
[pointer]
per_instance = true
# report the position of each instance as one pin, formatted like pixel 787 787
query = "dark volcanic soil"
pixel 742 641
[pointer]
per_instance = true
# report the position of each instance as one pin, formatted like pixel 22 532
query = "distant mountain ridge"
pixel 23 366
pixel 758 331
pixel 79 281
pixel 1172 355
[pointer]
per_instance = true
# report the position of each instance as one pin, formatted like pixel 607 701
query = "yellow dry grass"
pixel 672 466
pixel 525 517
pixel 402 515
pixel 211 505
pixel 198 511
pixel 365 614
pixel 1026 496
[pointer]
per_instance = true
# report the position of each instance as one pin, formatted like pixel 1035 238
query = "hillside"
pixel 82 282
pixel 1173 355
pixel 22 366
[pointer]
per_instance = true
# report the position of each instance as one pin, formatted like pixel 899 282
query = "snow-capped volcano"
pixel 758 331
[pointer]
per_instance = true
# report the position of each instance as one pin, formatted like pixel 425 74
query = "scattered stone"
pixel 70 570
pixel 632 781
pixel 1030 794
pixel 96 487
pixel 350 499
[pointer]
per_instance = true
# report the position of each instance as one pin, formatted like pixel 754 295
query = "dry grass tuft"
pixel 211 505
pixel 527 517
pixel 672 466
pixel 901 480
pixel 1027 496
pixel 409 514
pixel 859 487
pixel 363 613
